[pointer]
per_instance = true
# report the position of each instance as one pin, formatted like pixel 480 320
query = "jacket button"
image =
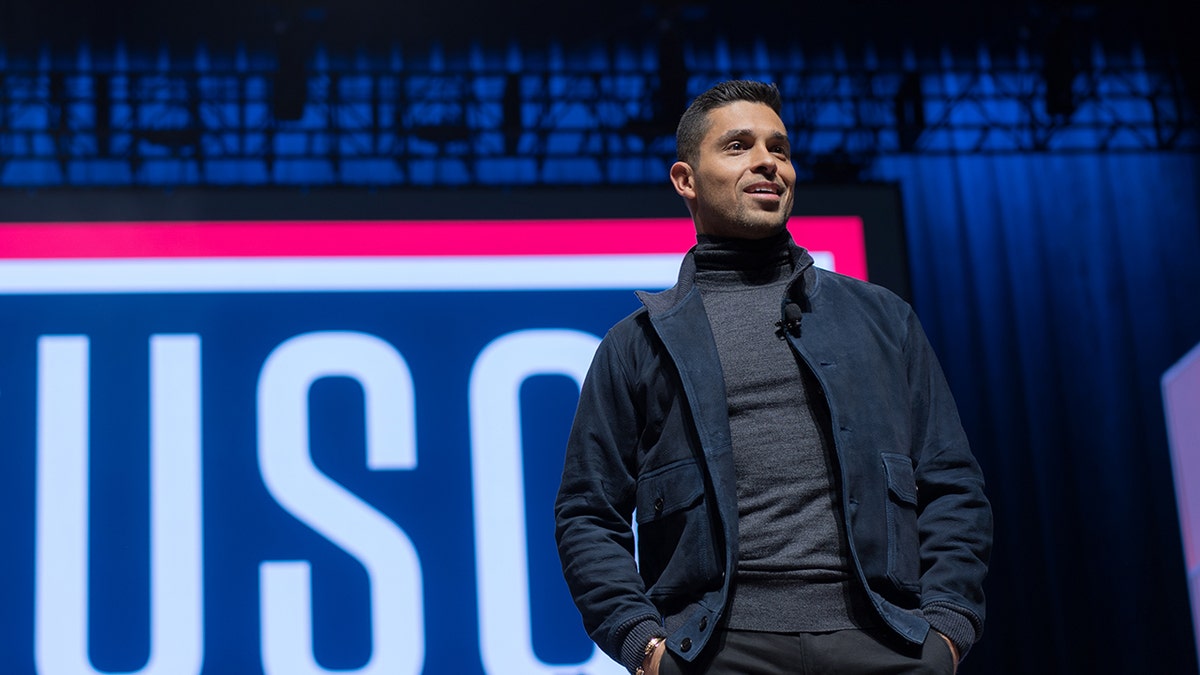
pixel 704 623
pixel 658 504
pixel 685 644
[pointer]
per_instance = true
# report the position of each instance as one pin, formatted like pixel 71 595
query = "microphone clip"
pixel 790 323
pixel 782 328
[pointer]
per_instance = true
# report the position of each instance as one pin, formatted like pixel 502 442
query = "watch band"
pixel 647 652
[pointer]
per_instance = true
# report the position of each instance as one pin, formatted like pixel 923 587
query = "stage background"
pixel 208 419
pixel 1045 152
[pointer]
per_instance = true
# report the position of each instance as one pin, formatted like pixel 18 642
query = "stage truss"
pixel 537 119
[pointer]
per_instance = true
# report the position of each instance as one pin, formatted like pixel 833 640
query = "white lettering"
pixel 398 638
pixel 502 567
pixel 176 567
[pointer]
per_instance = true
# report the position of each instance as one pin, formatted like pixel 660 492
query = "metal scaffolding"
pixel 238 120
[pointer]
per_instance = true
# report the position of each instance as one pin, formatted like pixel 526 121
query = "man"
pixel 805 498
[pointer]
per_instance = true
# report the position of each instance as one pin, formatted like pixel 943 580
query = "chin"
pixel 759 230
pixel 768 227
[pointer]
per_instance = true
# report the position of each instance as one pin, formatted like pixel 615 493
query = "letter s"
pixel 397 631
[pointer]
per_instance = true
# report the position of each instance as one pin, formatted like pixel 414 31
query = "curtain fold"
pixel 1057 289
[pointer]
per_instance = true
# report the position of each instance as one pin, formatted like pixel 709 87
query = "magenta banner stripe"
pixel 840 235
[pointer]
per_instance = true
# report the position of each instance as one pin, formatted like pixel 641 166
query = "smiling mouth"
pixel 765 189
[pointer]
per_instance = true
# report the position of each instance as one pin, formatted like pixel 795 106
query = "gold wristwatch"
pixel 650 647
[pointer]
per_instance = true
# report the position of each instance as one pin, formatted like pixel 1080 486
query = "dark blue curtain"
pixel 1056 290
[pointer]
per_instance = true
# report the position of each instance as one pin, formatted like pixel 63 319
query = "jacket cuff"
pixel 633 648
pixel 962 628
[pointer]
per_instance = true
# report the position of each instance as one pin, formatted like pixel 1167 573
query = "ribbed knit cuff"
pixel 963 629
pixel 633 649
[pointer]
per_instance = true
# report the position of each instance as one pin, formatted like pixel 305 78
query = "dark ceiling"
pixel 921 24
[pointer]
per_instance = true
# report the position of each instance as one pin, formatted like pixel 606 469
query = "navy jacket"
pixel 651 438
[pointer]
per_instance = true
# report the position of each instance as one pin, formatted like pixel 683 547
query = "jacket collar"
pixel 801 287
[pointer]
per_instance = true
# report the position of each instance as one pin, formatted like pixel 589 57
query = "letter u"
pixel 176 567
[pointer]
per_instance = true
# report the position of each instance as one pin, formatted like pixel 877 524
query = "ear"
pixel 683 180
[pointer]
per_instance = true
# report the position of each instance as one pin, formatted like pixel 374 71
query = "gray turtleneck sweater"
pixel 794 572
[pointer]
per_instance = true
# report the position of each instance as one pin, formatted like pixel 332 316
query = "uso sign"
pixel 305 447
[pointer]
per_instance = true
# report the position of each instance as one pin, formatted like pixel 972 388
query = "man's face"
pixel 742 184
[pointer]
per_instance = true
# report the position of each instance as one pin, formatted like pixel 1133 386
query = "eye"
pixel 735 145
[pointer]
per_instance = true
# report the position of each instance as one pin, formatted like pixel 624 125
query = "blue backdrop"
pixel 1056 291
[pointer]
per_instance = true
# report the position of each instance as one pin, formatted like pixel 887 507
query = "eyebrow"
pixel 734 133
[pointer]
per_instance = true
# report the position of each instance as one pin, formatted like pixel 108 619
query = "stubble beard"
pixel 746 221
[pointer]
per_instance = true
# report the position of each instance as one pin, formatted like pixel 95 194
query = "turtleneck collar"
pixel 734 254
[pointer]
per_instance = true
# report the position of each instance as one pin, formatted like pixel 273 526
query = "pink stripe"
pixel 275 239
pixel 840 235
pixel 227 239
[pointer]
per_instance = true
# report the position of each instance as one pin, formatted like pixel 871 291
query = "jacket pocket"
pixel 904 546
pixel 675 545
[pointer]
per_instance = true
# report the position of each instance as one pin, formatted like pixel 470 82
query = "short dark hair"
pixel 694 123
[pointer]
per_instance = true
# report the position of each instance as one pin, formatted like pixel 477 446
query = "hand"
pixel 953 650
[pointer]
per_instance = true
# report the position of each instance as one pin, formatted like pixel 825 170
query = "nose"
pixel 764 161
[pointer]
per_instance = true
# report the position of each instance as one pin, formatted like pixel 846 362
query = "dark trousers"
pixel 843 652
